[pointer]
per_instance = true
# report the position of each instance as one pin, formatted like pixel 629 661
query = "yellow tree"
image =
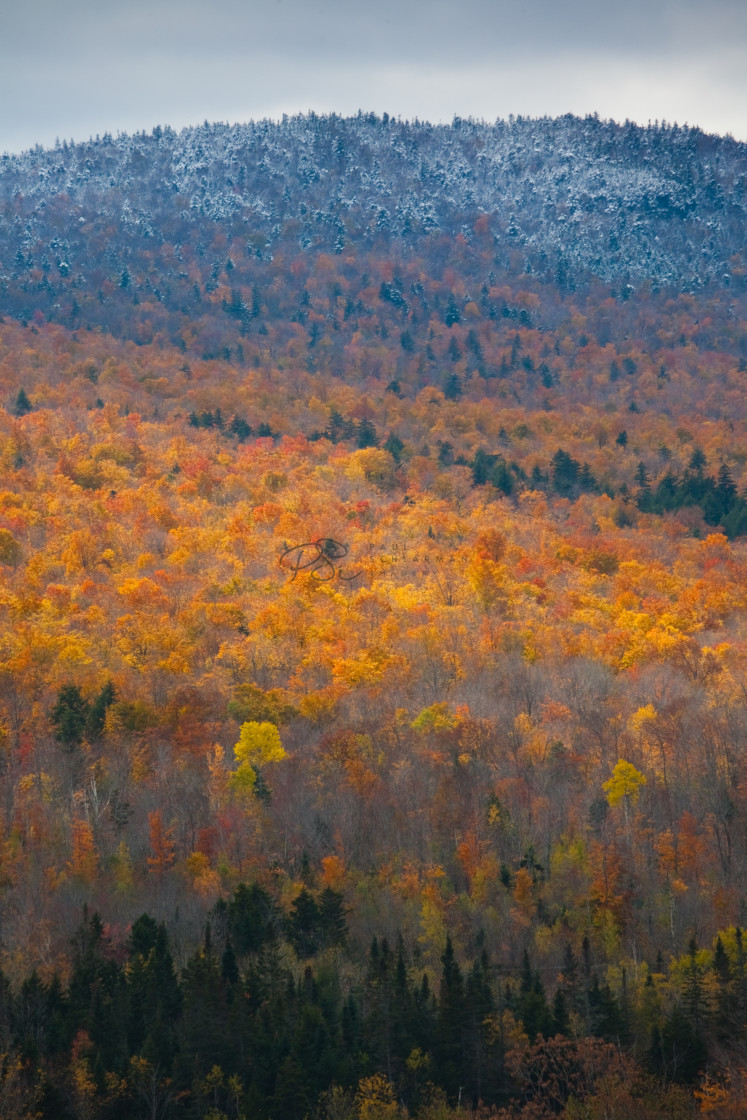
pixel 624 786
pixel 258 745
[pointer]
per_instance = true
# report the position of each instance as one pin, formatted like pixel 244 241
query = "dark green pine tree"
pixel 604 1018
pixel 678 1053
pixel 395 447
pixel 500 476
pixel 22 403
pixel 452 314
pixel 351 1031
pixel 473 344
pixel 240 428
pixel 560 1021
pixel 155 999
pixel 482 466
pixel 445 453
pixel 143 936
pixel 304 924
pixel 69 717
pixel 724 999
pixel 735 522
pixel 426 1013
pixel 97 995
pixel 643 497
pixel 571 979
pixel 480 1005
pixel 725 490
pixel 107 1019
pixel 229 969
pixel 531 1005
pixel 337 427
pixel 409 1025
pixel 253 919
pixel 270 1000
pixel 378 998
pixel 565 471
pixel 694 992
pixel 31 1012
pixel 453 387
pixel 332 924
pixel 453 350
pixel 205 1038
pixel 96 718
pixel 57 1023
pixel 314 1042
pixel 290 1099
pixel 366 434
pixel 698 462
pixel 451 1024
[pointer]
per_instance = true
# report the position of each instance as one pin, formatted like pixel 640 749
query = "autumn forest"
pixel 373 598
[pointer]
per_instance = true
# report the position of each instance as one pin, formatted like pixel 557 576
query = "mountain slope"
pixel 565 200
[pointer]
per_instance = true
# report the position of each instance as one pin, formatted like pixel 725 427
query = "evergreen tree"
pixel 724 998
pixel 570 977
pixel 603 1015
pixel 425 1016
pixel 377 1004
pixel 332 924
pixel 694 997
pixel 402 1011
pixel 252 918
pixel 97 713
pixel 366 434
pixel 564 472
pixel 290 1099
pixel 239 428
pixel 205 1038
pixel 452 314
pixel 22 403
pixel 395 447
pixel 678 1053
pixel 453 387
pixel 726 490
pixel 229 969
pixel 304 925
pixel 698 461
pixel 531 1005
pixel 69 717
pixel 97 995
pixel 155 999
pixel 480 1006
pixel 451 1023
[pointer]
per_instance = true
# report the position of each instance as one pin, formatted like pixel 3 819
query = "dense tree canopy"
pixel 372 647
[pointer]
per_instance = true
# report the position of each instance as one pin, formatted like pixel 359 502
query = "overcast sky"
pixel 74 68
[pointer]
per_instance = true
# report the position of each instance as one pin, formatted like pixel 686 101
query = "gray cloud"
pixel 78 68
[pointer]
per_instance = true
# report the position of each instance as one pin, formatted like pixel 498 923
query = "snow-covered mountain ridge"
pixel 664 204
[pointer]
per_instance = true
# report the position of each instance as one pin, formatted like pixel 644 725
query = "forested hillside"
pixel 565 200
pixel 373 588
